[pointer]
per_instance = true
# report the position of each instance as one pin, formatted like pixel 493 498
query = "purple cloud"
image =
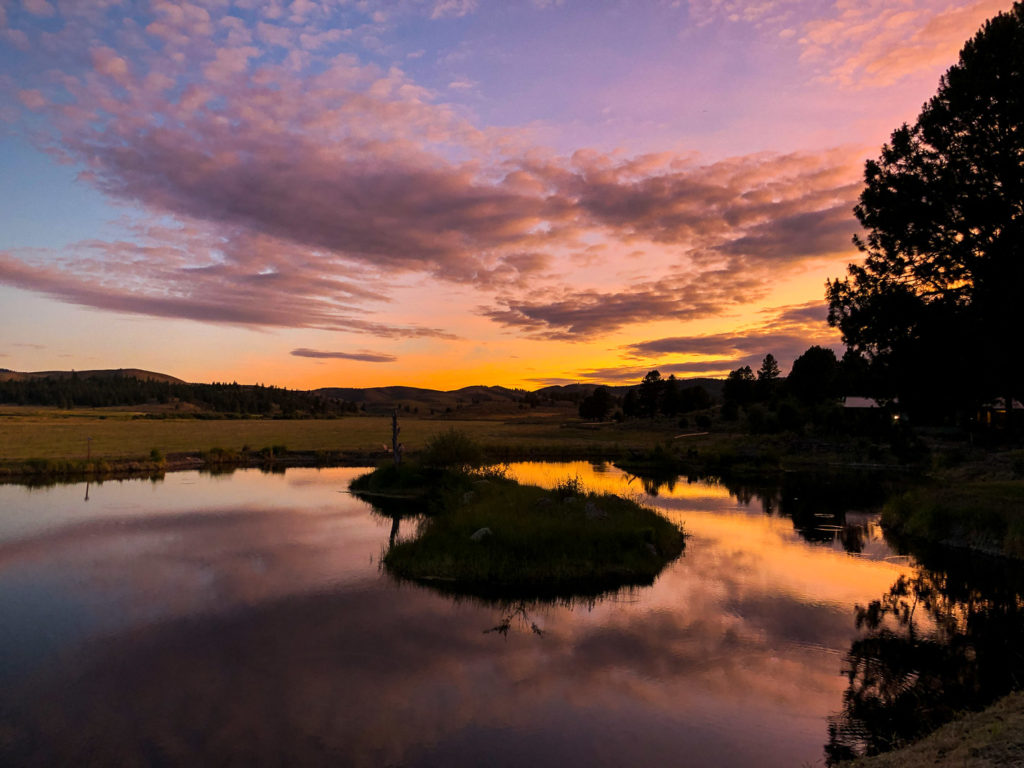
pixel 786 334
pixel 362 356
pixel 303 181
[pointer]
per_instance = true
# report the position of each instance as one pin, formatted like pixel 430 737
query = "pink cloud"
pixel 38 7
pixel 786 333
pixel 106 62
pixel 297 188
pixel 16 38
pixel 32 99
pixel 455 8
pixel 229 62
pixel 362 356
pixel 875 43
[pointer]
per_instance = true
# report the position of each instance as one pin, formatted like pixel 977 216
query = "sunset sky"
pixel 441 192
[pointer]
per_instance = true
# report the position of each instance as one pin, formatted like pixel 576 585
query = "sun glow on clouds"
pixel 288 171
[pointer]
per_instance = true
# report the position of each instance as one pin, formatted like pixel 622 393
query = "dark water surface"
pixel 245 619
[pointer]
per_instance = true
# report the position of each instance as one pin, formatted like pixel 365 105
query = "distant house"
pixel 860 402
pixel 993 415
pixel 867 412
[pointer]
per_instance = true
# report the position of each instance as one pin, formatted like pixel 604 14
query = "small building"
pixel 994 415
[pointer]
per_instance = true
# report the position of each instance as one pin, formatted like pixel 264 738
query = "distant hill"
pixel 378 398
pixel 110 373
pixel 481 399
pixel 134 386
pixel 160 394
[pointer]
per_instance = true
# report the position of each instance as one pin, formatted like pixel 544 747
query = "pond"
pixel 246 618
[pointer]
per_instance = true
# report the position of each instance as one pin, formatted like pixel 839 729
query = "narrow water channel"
pixel 246 618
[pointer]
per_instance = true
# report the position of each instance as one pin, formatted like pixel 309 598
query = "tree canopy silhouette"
pixel 943 210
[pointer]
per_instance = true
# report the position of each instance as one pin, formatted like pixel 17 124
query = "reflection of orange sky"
pixel 765 553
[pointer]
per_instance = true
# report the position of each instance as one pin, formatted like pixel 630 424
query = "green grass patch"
pixel 495 538
pixel 983 515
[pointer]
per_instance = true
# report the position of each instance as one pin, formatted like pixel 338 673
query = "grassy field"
pixel 34 433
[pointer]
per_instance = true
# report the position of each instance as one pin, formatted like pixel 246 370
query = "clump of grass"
pixel 569 488
pixel 268 452
pixel 218 455
pixel 405 479
pixel 539 543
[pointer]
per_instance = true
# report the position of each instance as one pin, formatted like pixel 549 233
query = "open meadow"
pixel 121 434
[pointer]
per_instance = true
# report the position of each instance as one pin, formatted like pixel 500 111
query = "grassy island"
pixel 490 536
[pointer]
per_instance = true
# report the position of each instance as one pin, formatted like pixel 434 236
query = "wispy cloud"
pixel 786 333
pixel 876 43
pixel 856 45
pixel 362 356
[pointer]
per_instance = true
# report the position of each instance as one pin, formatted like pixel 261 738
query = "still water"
pixel 246 619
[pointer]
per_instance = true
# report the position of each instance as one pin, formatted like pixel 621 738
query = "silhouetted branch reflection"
pixel 393 509
pixel 947 639
pixel 515 611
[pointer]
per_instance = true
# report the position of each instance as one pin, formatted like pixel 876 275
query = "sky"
pixel 442 193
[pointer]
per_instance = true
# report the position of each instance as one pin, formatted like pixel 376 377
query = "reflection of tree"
pixel 653 482
pixel 393 509
pixel 515 611
pixel 942 641
pixel 818 504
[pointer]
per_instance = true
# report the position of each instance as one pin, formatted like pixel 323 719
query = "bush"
pixel 703 421
pixel 270 451
pixel 730 411
pixel 569 488
pixel 156 456
pixel 791 418
pixel 452 449
pixel 1017 463
pixel 219 455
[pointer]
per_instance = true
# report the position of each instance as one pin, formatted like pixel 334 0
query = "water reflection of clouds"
pixel 29 511
pixel 132 570
pixel 346 677
pixel 272 633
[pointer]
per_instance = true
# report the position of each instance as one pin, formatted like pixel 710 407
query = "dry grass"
pixel 988 739
pixel 34 433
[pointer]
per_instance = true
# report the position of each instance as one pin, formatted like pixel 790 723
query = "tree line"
pixel 654 396
pixel 104 391
pixel 770 402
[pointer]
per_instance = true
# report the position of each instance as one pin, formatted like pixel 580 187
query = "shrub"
pixel 730 411
pixel 219 455
pixel 452 449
